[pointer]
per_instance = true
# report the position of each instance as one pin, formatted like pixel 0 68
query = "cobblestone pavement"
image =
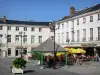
pixel 31 69
pixel 89 68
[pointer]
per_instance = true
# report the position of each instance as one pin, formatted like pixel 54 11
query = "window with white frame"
pixel 17 28
pixel 32 39
pixel 40 39
pixel 77 21
pixel 9 51
pixel 17 38
pixel 9 27
pixel 62 26
pixel 78 35
pixel 91 34
pixel 25 28
pixel 91 18
pixel 98 16
pixel 1 35
pixel 84 35
pixel 24 51
pixel 32 29
pixel 17 51
pixel 8 38
pixel 98 33
pixel 84 20
pixel 40 29
pixel 25 39
pixel 1 27
pixel 58 37
pixel 62 37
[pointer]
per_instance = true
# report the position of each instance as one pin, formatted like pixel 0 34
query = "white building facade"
pixel 33 34
pixel 80 29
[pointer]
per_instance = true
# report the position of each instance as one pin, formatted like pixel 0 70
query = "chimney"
pixel 72 11
pixel 4 18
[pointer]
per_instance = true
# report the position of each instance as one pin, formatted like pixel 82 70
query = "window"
pixel 9 28
pixel 25 28
pixel 84 35
pixel 17 51
pixel 91 34
pixel 1 35
pixel 98 16
pixel 25 39
pixel 91 18
pixel 62 26
pixel 40 39
pixel 52 37
pixel 24 51
pixel 77 21
pixel 62 37
pixel 67 25
pixel 17 38
pixel 67 37
pixel 32 39
pixel 98 33
pixel 40 29
pixel 1 27
pixel 17 28
pixel 9 51
pixel 78 35
pixel 8 38
pixel 72 32
pixel 58 37
pixel 84 20
pixel 32 29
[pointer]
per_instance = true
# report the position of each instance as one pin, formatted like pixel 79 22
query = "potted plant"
pixel 18 65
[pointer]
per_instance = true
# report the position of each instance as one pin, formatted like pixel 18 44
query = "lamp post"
pixel 52 27
pixel 21 35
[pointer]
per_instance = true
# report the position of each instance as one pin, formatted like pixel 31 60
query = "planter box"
pixel 17 70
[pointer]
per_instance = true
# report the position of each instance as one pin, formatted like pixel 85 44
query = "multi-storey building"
pixel 27 35
pixel 80 29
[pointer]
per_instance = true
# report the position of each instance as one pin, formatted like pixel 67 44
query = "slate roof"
pixel 48 46
pixel 25 22
pixel 86 10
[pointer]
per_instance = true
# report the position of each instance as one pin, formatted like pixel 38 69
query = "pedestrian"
pixel 97 57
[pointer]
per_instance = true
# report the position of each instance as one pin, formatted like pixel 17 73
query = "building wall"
pixel 71 25
pixel 45 33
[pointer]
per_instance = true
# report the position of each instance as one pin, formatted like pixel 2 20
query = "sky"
pixel 41 10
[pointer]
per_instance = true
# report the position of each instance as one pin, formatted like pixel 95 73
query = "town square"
pixel 47 37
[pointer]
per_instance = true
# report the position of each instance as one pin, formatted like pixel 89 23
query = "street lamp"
pixel 52 27
pixel 21 35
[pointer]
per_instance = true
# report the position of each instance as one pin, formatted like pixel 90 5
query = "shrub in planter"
pixel 19 63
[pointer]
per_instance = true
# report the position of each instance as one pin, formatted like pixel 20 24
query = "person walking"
pixel 97 57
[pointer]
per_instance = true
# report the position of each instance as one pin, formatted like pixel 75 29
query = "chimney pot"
pixel 72 11
pixel 4 18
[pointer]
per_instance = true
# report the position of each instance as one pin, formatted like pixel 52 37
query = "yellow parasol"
pixel 73 50
pixel 79 50
pixel 59 53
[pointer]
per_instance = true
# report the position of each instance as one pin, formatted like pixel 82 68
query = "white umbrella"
pixel 46 54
